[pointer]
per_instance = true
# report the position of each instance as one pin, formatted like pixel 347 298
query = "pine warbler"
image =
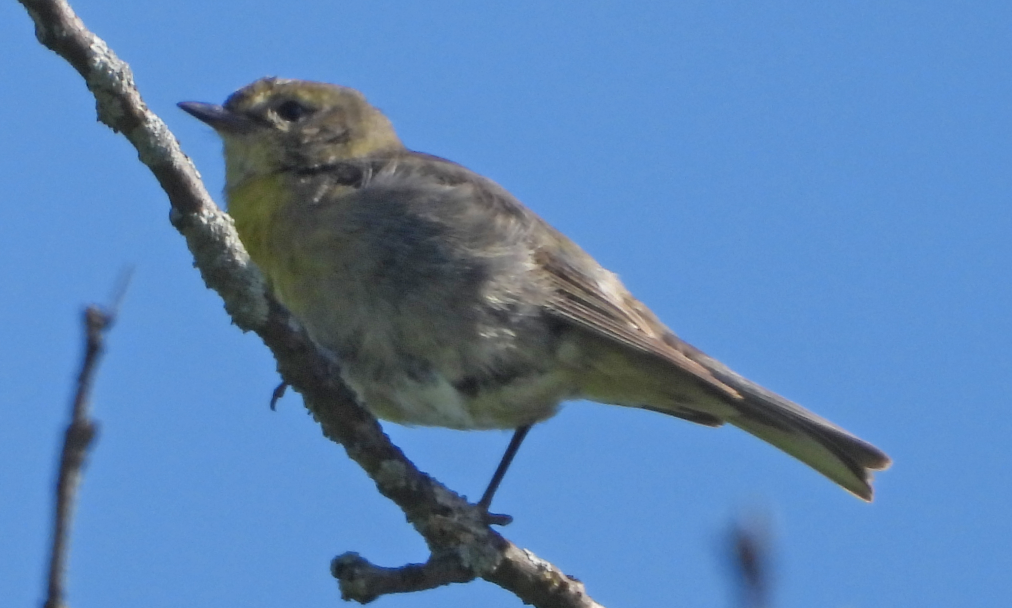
pixel 447 302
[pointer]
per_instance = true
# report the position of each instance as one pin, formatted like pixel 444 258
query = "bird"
pixel 449 303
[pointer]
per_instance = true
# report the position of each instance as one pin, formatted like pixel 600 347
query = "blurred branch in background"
pixel 750 556
pixel 77 440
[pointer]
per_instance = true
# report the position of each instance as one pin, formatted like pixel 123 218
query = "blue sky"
pixel 818 195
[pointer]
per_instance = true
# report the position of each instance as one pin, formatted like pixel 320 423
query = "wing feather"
pixel 580 299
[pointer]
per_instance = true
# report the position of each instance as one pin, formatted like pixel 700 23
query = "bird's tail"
pixel 703 390
pixel 820 444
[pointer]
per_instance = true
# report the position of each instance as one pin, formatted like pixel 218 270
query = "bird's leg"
pixel 500 472
pixel 278 393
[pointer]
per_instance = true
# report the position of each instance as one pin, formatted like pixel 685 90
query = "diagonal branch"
pixel 463 545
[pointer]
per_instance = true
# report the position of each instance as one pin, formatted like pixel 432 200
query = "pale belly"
pixel 434 401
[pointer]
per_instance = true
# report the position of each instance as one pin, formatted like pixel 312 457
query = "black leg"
pixel 500 472
pixel 278 393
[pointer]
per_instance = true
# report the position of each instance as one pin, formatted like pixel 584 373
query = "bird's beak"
pixel 219 118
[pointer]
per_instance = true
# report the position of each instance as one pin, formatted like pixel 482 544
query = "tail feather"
pixel 820 444
pixel 714 394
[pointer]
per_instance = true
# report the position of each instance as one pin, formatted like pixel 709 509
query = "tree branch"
pixel 78 439
pixel 463 545
pixel 363 581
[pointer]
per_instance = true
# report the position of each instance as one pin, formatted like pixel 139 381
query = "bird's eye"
pixel 292 111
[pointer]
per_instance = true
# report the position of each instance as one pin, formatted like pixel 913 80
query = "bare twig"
pixel 78 438
pixel 533 580
pixel 454 530
pixel 363 581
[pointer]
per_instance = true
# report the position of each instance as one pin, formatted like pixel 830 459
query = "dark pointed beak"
pixel 219 118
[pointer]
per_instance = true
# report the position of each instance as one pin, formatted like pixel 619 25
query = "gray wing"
pixel 566 283
pixel 575 288
pixel 588 296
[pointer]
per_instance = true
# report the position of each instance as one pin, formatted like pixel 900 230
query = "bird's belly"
pixel 435 401
pixel 420 353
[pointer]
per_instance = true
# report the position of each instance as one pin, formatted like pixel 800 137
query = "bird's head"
pixel 275 124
